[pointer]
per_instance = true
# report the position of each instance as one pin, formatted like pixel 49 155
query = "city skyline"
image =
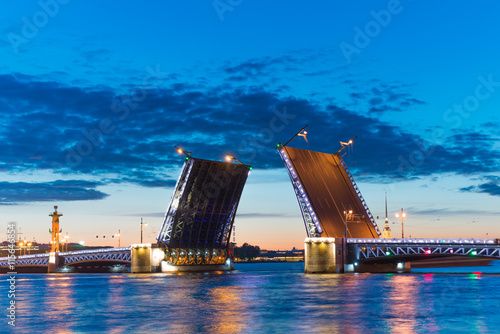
pixel 94 98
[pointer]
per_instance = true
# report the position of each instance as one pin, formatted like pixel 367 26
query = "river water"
pixel 258 298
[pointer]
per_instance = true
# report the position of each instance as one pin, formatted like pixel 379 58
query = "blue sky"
pixel 94 96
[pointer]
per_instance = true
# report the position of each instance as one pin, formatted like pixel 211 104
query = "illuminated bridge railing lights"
pixel 417 248
pixel 100 251
pixel 422 241
pixel 308 211
pixel 32 256
pixel 22 258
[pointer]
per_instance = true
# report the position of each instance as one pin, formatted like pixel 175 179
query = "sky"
pixel 94 96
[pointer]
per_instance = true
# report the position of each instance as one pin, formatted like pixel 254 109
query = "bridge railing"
pixel 26 256
pixel 100 250
pixel 88 251
pixel 408 251
pixel 308 214
pixel 358 192
pixel 422 241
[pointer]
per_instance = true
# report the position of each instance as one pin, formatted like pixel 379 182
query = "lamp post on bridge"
pixel 346 213
pixel 344 257
pixel 118 235
pixel 66 240
pixel 402 215
pixel 142 228
pixel 302 133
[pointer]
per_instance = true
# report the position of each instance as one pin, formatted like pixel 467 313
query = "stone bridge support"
pixel 323 255
pixel 146 258
pixel 53 262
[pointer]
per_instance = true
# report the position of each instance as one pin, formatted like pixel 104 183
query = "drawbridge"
pixel 330 201
pixel 197 225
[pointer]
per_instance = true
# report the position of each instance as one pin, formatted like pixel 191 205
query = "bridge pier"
pixel 323 255
pixel 227 266
pixel 331 255
pixel 146 258
pixel 53 263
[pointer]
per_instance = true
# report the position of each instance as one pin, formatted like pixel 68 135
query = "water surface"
pixel 259 298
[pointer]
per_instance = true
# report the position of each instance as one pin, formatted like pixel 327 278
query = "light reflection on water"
pixel 260 298
pixel 401 301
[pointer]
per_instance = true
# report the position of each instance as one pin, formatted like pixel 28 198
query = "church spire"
pixel 386 233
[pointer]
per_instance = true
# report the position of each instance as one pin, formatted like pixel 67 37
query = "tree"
pixel 246 251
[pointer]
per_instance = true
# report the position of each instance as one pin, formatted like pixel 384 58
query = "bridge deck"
pixel 408 249
pixel 122 254
pixel 329 187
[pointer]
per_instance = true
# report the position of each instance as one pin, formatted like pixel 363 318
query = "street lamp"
pixel 229 158
pixel 66 240
pixel 344 257
pixel 346 213
pixel 302 133
pixel 118 235
pixel 29 247
pixel 402 215
pixel 142 228
pixel 181 151
pixel 344 145
pixel 21 244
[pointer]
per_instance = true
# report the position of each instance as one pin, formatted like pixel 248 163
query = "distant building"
pixel 294 255
pixel 386 232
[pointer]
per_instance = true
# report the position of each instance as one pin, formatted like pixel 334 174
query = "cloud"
pixel 257 67
pixel 261 215
pixel 94 56
pixel 129 137
pixel 317 73
pixel 492 187
pixel 156 183
pixel 381 98
pixel 142 214
pixel 74 190
pixel 448 212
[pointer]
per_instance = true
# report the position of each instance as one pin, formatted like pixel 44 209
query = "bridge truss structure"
pixel 112 255
pixel 198 222
pixel 390 250
pixel 104 255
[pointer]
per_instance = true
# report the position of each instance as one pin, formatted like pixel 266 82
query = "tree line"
pixel 246 251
